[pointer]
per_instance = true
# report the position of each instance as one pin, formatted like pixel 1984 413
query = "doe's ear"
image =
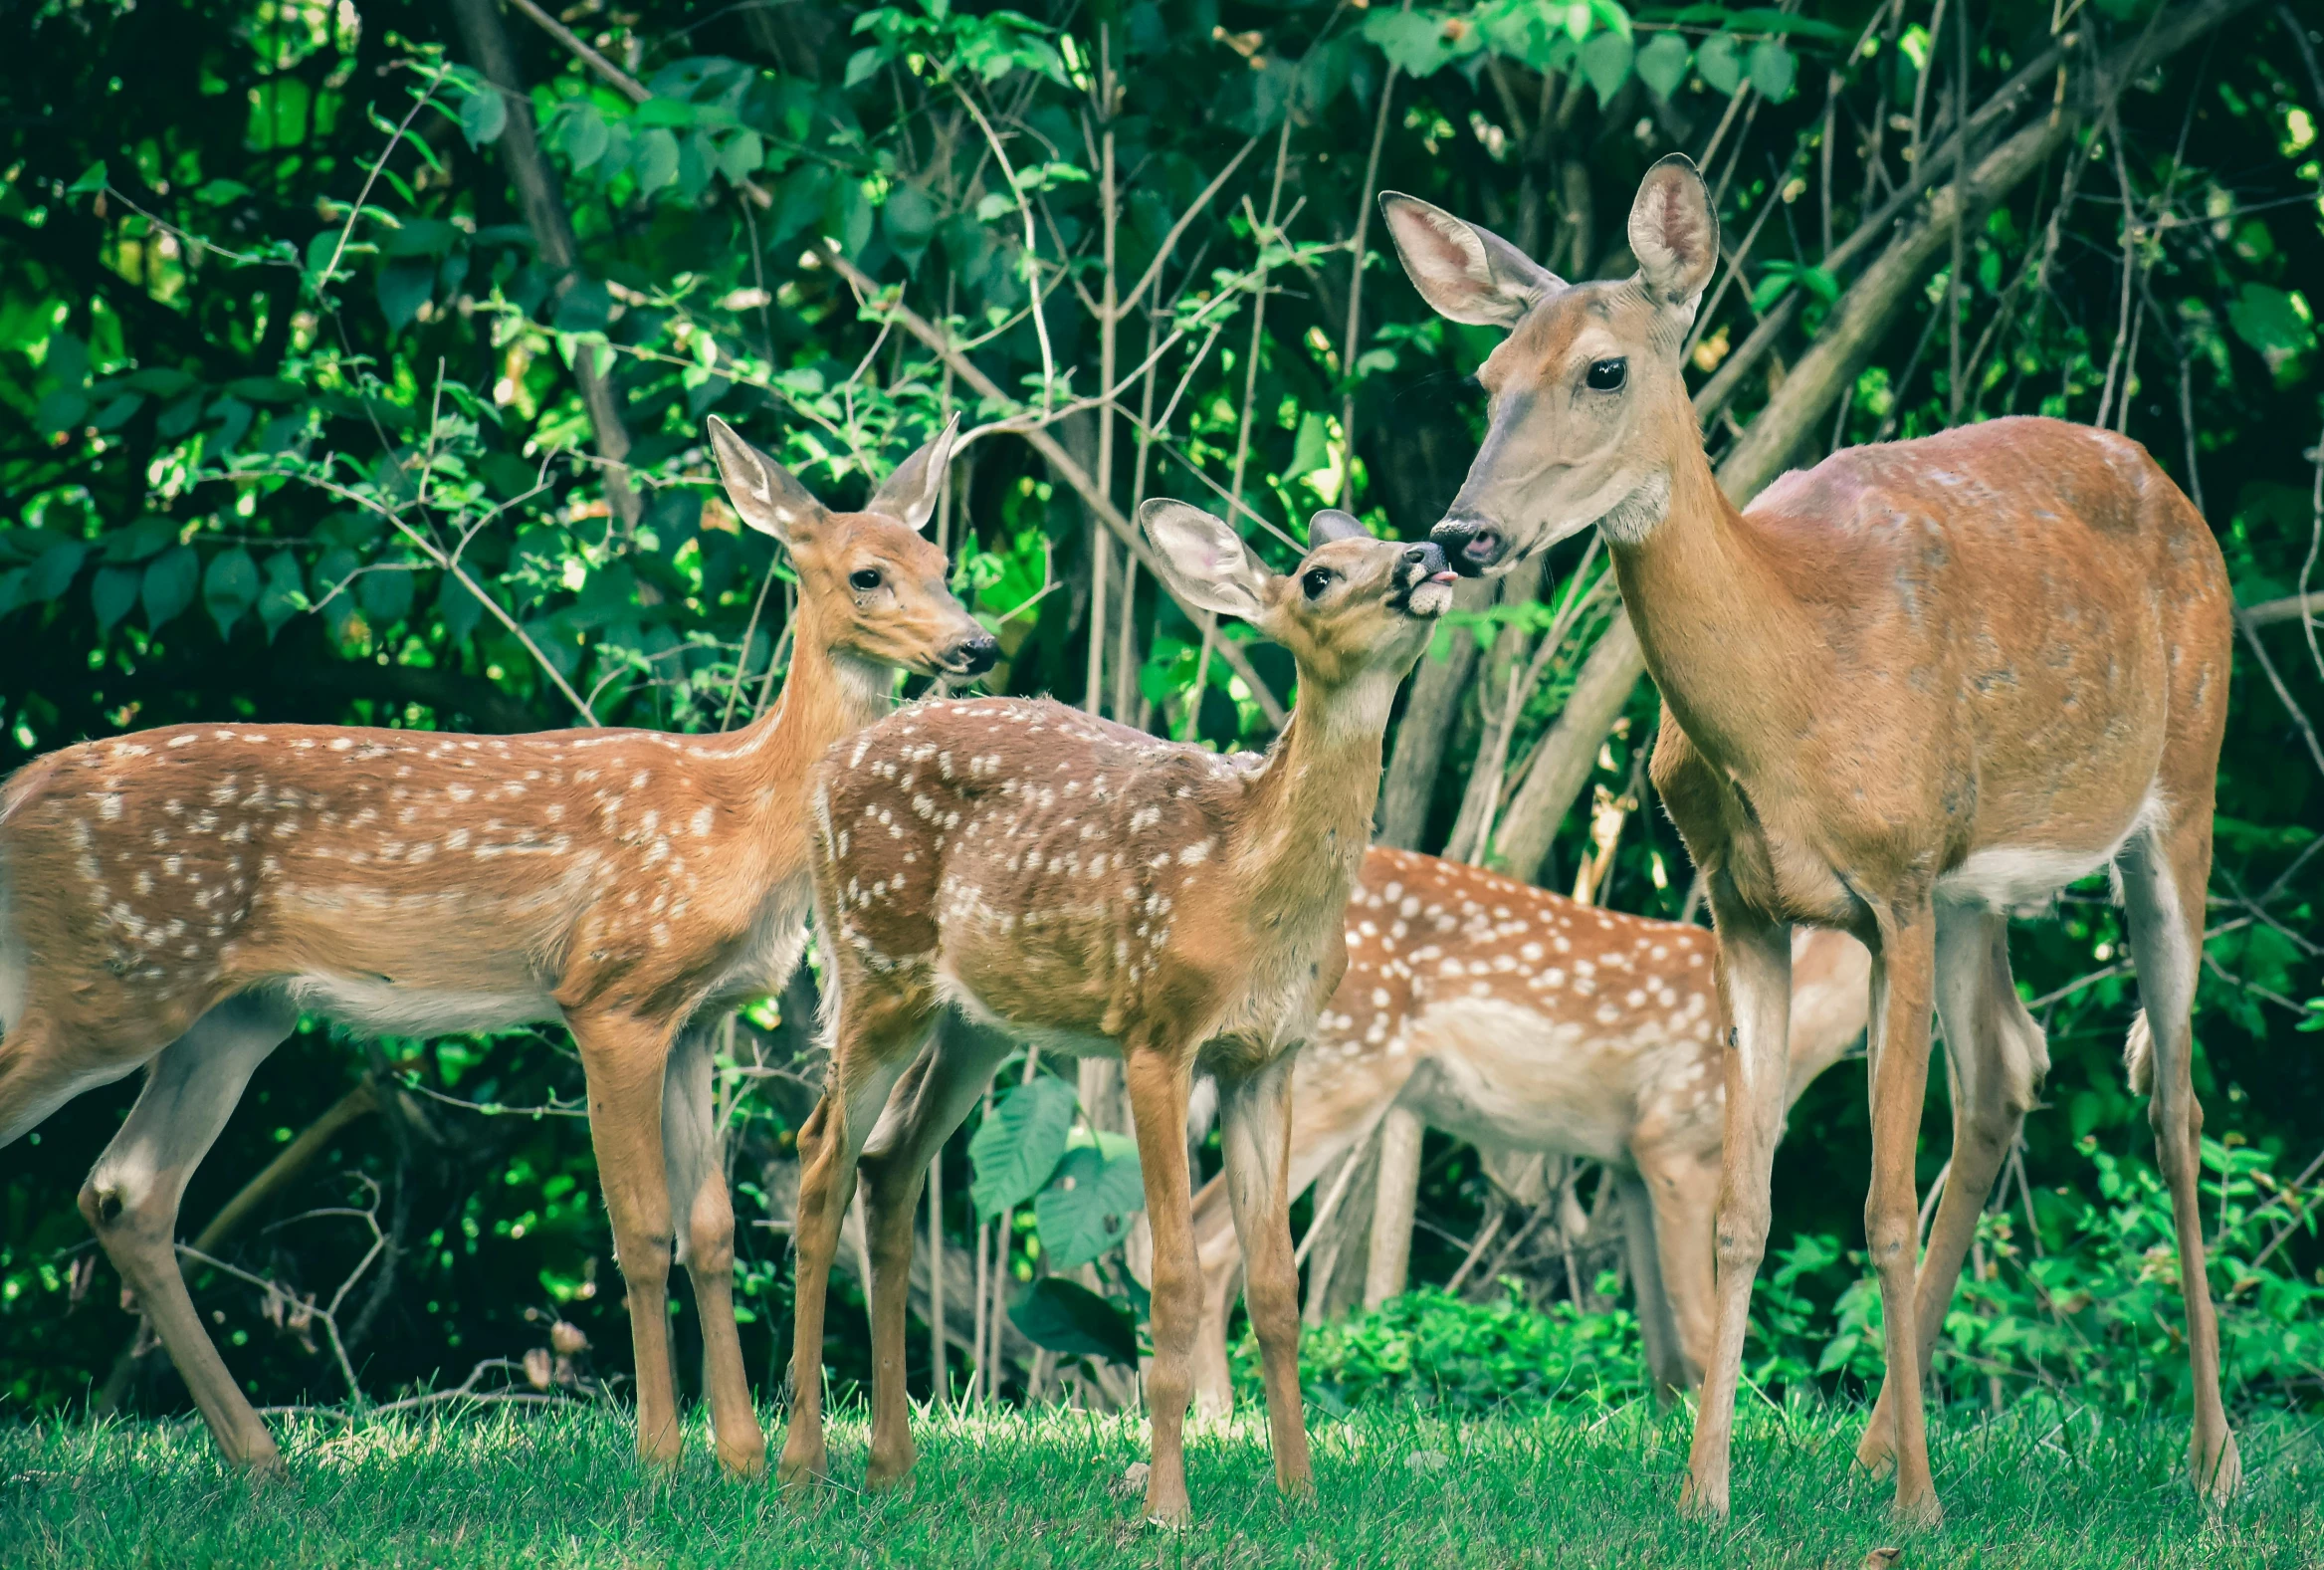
pixel 769 497
pixel 1331 524
pixel 1467 274
pixel 911 492
pixel 1204 560
pixel 1674 232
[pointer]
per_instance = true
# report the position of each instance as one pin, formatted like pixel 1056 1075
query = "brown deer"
pixel 1095 890
pixel 176 897
pixel 1523 1022
pixel 1908 690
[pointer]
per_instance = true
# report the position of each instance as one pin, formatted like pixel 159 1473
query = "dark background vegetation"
pixel 223 384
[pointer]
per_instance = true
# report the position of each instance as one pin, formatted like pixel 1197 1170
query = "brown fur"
pixel 1096 890
pixel 1906 691
pixel 1520 1021
pixel 177 895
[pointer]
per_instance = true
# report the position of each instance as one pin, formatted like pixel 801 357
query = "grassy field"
pixel 559 1489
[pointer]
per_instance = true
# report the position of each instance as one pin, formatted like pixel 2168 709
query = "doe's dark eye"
pixel 1316 581
pixel 864 578
pixel 1606 375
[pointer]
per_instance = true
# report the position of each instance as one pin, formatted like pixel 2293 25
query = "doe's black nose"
pixel 974 656
pixel 1470 543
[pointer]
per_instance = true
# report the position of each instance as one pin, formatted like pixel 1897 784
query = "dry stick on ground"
pixel 1060 463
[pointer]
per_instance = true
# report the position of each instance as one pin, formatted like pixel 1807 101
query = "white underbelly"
pixel 1999 877
pixel 377 1005
pixel 1499 1074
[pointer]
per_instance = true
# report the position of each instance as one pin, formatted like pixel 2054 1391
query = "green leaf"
pixel 111 592
pixel 863 65
pixel 1068 1318
pixel 49 578
pixel 170 581
pixel 1662 64
pixel 1088 1206
pixel 62 411
pixel 673 112
pixel 1722 71
pixel 740 156
pixel 93 180
pixel 456 608
pixel 1413 41
pixel 1019 1146
pixel 586 137
pixel 1774 70
pixel 385 594
pixel 404 286
pixel 483 114
pixel 142 540
pixel 2276 323
pixel 230 587
pixel 283 596
pixel 1605 61
pixel 656 162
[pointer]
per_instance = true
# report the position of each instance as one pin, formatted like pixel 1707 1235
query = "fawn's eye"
pixel 1606 375
pixel 1316 581
pixel 864 578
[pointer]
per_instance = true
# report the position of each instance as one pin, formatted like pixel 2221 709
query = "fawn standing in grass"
pixel 1913 688
pixel 1520 1021
pixel 176 897
pixel 1090 888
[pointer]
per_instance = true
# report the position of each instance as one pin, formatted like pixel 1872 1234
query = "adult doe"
pixel 1095 890
pixel 1906 691
pixel 176 897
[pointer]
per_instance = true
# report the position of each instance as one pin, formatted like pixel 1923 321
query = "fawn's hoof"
pixel 744 1461
pixel 801 1474
pixel 2218 1470
pixel 1704 1500
pixel 1917 1508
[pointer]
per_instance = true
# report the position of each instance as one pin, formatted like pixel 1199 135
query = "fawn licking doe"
pixel 177 896
pixel 1093 889
pixel 1909 690
pixel 1521 1020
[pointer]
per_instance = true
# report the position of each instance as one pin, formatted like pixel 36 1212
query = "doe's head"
pixel 1354 605
pixel 870 582
pixel 1589 407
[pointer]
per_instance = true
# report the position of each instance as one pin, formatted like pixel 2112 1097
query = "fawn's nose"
pixel 1472 544
pixel 974 656
pixel 1428 559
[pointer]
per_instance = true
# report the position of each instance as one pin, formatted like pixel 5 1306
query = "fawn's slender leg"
pixel 1669 1216
pixel 1159 1080
pixel 694 1148
pixel 1755 979
pixel 2163 875
pixel 1219 1256
pixel 1905 974
pixel 624 1058
pixel 1997 1059
pixel 1254 1125
pixel 131 1196
pixel 929 1101
pixel 875 1037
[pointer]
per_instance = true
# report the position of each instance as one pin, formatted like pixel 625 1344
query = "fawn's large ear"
pixel 912 490
pixel 1674 233
pixel 1468 274
pixel 769 496
pixel 1206 563
pixel 1330 523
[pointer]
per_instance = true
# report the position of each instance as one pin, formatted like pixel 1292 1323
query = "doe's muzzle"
pixel 1471 545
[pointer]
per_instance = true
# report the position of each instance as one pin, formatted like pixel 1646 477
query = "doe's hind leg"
pixel 132 1196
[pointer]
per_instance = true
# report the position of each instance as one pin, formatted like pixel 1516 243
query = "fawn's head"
pixel 1589 407
pixel 872 585
pixel 1356 604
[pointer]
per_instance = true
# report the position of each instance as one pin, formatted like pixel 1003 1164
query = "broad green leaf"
pixel 111 592
pixel 60 411
pixel 170 581
pixel 1019 1146
pixel 404 286
pixel 585 136
pixel 385 594
pixel 93 180
pixel 673 112
pixel 1090 1204
pixel 1773 69
pixel 1722 70
pixel 655 163
pixel 1066 1317
pixel 230 587
pixel 2276 324
pixel 1413 41
pixel 1605 61
pixel 456 608
pixel 863 65
pixel 1662 64
pixel 909 219
pixel 142 540
pixel 740 156
pixel 54 572
pixel 483 114
pixel 283 596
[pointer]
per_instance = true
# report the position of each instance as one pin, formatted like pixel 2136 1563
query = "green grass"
pixel 559 1489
